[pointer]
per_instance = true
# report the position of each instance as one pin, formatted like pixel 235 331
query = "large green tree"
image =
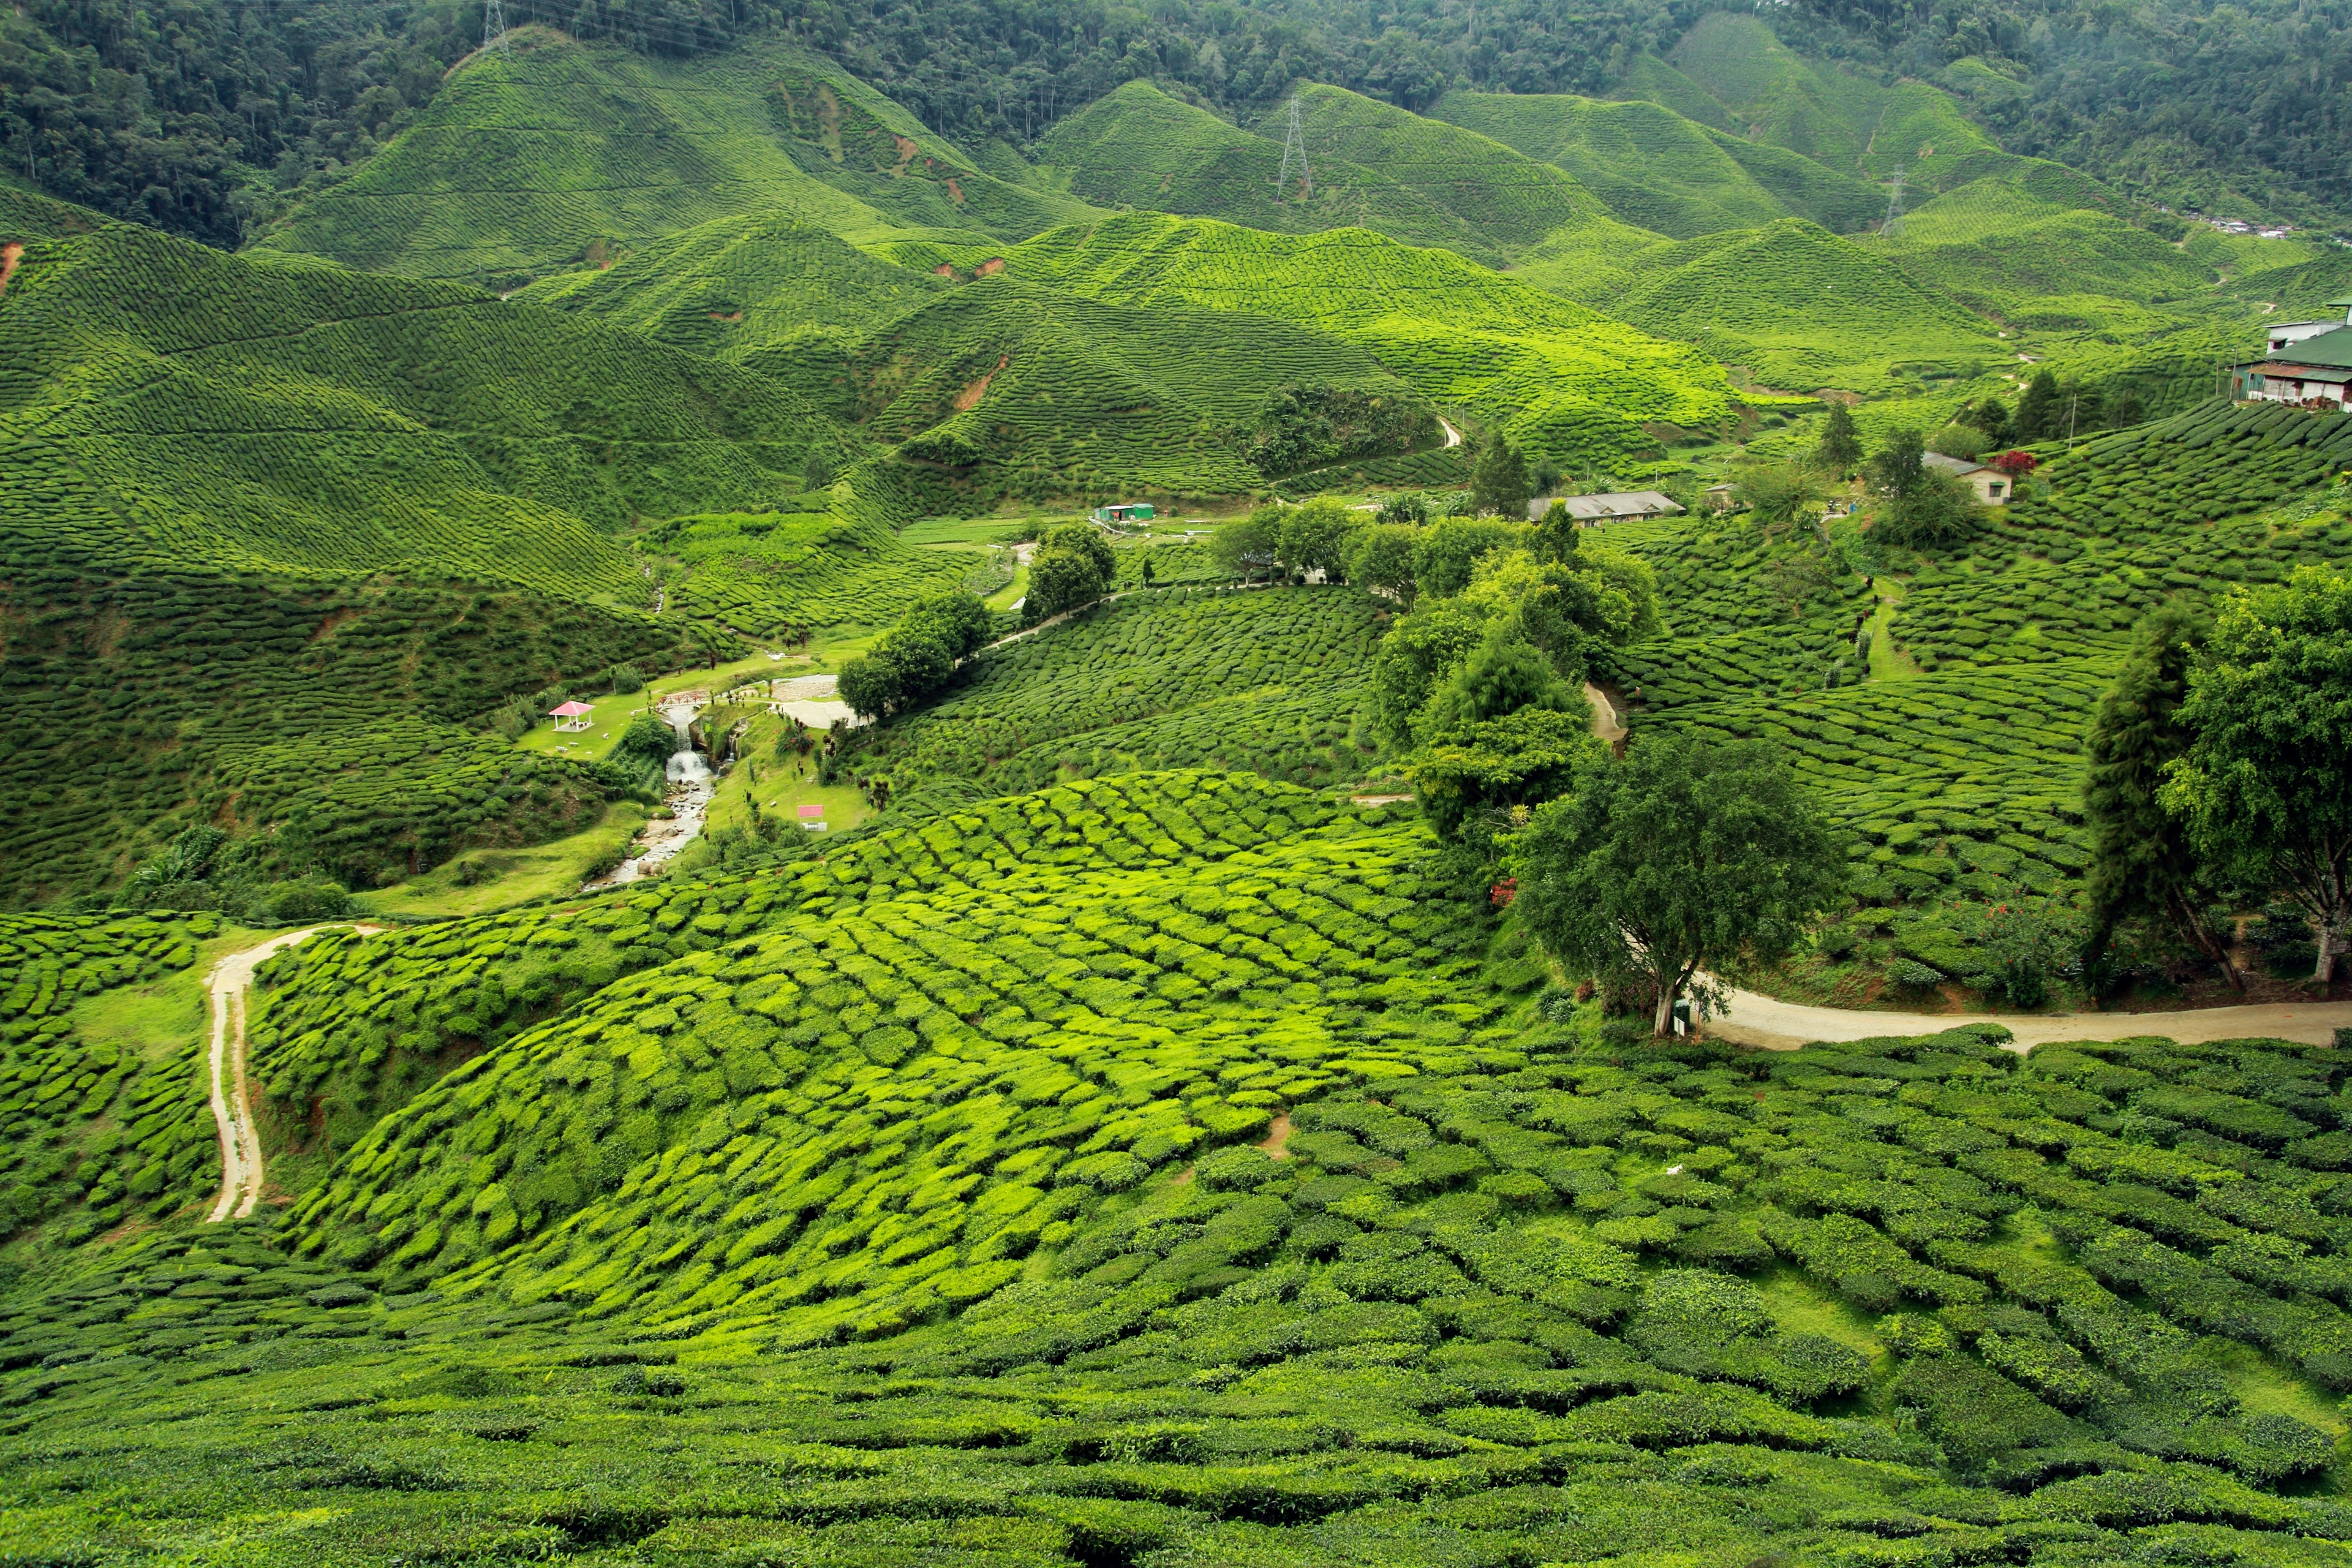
pixel 1248 546
pixel 1483 769
pixel 2143 865
pixel 1499 483
pixel 1840 447
pixel 1686 856
pixel 2266 784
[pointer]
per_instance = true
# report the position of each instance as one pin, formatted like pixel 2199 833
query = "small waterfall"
pixel 686 764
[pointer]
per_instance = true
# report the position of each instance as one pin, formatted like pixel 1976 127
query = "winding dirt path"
pixel 1756 1020
pixel 240 1139
pixel 1453 436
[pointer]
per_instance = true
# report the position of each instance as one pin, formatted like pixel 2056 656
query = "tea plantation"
pixel 1267 680
pixel 1957 769
pixel 1213 1191
pixel 1562 381
pixel 94 1127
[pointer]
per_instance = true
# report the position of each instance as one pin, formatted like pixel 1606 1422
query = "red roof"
pixel 571 710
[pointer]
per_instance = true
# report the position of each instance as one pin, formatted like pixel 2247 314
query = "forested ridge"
pixel 208 120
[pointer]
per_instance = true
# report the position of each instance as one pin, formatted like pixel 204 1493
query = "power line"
pixel 1294 144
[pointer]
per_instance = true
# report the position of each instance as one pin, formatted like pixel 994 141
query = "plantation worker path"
pixel 240 1141
pixel 1756 1020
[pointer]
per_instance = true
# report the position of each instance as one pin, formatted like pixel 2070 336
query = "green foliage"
pixel 1477 768
pixel 2265 785
pixel 1311 426
pixel 1683 856
pixel 1073 567
pixel 1561 382
pixel 2142 865
pixel 96 1130
pixel 912 663
pixel 1270 679
pixel 1840 449
pixel 1499 484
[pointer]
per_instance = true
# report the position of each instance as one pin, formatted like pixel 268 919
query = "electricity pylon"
pixel 494 26
pixel 1894 223
pixel 1294 146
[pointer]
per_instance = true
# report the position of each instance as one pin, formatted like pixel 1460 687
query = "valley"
pixel 1163 791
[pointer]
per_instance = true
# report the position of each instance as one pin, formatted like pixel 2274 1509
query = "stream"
pixel 692 785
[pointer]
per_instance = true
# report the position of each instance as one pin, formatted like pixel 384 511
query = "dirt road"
pixel 240 1141
pixel 1755 1020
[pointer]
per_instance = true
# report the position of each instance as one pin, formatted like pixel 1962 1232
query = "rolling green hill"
pixel 1653 167
pixel 1566 382
pixel 1787 304
pixel 282 415
pixel 1956 766
pixel 1015 389
pixel 277 532
pixel 1137 147
pixel 741 287
pixel 565 155
pixel 1513 200
pixel 1847 122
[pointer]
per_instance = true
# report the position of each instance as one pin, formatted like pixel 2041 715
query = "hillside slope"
pixel 271 414
pixel 1013 389
pixel 1790 305
pixel 563 155
pixel 1653 167
pixel 1137 147
pixel 1566 382
pixel 275 533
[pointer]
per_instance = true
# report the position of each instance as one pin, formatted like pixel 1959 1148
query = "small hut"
pixel 572 716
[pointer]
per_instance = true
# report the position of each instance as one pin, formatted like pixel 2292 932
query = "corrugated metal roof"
pixel 2328 351
pixel 1604 508
pixel 1955 466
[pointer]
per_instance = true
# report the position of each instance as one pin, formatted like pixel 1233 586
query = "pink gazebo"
pixel 570 716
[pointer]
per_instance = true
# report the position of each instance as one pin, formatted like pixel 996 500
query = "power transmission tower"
pixel 1894 223
pixel 1294 146
pixel 494 26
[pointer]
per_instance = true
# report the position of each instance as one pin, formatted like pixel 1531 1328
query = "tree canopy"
pixel 1685 856
pixel 2265 785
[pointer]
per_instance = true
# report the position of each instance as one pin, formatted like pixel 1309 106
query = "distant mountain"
pixel 563 153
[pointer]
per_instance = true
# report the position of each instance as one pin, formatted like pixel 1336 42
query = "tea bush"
pixel 1520 1296
pixel 1268 680
pixel 92 1131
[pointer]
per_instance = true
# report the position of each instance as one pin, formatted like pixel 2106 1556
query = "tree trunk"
pixel 2190 922
pixel 1662 1027
pixel 2331 943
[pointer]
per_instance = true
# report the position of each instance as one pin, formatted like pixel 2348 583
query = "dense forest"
pixel 209 119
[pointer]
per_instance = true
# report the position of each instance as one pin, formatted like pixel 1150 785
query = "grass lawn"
pixel 551 871
pixel 972 531
pixel 784 785
pixel 158 1018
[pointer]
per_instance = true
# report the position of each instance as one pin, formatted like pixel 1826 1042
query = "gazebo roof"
pixel 571 710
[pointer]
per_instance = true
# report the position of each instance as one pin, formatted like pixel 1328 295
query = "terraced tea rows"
pixel 1963 783
pixel 1564 382
pixel 778 574
pixel 147 701
pixel 559 153
pixel 342 1029
pixel 1540 1301
pixel 1743 612
pixel 93 1129
pixel 1267 678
